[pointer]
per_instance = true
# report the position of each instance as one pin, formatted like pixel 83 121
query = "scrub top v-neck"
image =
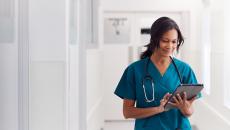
pixel 130 87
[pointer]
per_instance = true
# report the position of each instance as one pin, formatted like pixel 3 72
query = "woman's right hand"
pixel 163 101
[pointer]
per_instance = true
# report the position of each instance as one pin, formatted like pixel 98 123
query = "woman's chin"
pixel 166 55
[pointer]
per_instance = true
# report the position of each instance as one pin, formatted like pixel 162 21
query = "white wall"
pixel 48 64
pixel 90 90
pixel 9 86
pixel 49 67
pixel 9 65
pixel 194 7
pixel 212 105
pixel 94 90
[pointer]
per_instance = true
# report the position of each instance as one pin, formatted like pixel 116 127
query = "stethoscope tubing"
pixel 148 77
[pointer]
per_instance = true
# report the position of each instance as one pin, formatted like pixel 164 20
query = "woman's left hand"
pixel 184 105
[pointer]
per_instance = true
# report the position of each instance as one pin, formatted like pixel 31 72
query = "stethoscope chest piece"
pixel 149 79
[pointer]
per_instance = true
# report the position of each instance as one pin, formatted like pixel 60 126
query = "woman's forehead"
pixel 170 34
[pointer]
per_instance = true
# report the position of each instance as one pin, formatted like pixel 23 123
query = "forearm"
pixel 133 112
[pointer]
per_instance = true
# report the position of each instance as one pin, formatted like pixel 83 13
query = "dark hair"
pixel 159 27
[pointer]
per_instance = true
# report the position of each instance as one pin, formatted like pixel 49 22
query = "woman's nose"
pixel 170 45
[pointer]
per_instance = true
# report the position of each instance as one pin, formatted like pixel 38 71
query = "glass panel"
pixel 6 21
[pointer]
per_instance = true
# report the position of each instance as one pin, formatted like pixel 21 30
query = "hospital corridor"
pixel 70 64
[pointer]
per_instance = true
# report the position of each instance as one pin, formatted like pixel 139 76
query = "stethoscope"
pixel 148 77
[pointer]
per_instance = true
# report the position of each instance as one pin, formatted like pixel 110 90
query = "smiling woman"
pixel 145 85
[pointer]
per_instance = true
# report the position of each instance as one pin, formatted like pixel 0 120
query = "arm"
pixel 130 111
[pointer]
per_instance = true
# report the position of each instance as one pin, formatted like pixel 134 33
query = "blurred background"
pixel 60 60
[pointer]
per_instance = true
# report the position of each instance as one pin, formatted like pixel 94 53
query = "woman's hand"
pixel 184 105
pixel 163 101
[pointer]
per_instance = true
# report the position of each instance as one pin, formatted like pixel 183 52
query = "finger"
pixel 168 96
pixel 175 100
pixel 179 98
pixel 192 100
pixel 163 102
pixel 185 96
pixel 165 95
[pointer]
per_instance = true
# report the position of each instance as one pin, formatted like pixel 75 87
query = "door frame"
pixel 23 64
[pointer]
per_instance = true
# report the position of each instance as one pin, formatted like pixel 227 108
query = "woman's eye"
pixel 165 41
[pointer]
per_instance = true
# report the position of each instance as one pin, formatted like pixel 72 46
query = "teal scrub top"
pixel 130 87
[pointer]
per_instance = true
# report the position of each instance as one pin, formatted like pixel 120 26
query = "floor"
pixel 119 125
pixel 126 125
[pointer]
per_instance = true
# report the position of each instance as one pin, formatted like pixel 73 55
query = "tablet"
pixel 191 90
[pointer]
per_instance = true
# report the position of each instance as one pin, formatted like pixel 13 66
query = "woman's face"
pixel 168 43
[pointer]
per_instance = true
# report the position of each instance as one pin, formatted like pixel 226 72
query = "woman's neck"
pixel 160 60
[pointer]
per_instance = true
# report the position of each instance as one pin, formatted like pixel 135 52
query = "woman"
pixel 158 71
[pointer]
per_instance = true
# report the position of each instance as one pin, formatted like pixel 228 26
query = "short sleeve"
pixel 126 86
pixel 191 79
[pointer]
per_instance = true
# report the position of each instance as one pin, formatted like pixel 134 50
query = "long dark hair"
pixel 158 28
